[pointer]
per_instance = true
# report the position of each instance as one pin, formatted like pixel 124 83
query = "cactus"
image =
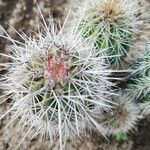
pixel 121 137
pixel 58 83
pixel 139 83
pixel 122 118
pixel 113 24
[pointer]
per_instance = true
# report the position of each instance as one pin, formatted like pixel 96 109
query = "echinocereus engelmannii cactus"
pixel 114 23
pixel 139 83
pixel 122 118
pixel 57 82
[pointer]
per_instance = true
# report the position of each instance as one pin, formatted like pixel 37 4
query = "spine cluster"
pixel 114 25
pixel 139 82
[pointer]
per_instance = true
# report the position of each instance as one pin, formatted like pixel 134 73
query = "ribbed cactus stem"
pixel 113 24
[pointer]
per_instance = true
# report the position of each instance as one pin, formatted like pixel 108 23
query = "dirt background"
pixel 23 15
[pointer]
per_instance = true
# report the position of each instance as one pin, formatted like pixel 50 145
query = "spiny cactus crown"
pixel 58 83
pixel 114 25
pixel 122 117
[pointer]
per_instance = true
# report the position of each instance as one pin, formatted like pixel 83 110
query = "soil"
pixel 23 15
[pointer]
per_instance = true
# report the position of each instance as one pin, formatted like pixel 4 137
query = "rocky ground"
pixel 23 15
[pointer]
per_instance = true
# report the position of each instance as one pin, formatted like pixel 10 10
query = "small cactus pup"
pixel 121 137
pixel 139 83
pixel 121 119
pixel 57 82
pixel 115 24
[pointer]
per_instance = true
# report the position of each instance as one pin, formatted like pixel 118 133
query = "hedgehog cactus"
pixel 114 23
pixel 58 84
pixel 139 83
pixel 122 118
